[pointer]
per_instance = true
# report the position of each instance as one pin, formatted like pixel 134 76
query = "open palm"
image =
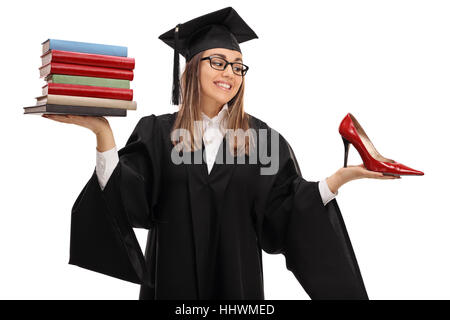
pixel 353 172
pixel 95 124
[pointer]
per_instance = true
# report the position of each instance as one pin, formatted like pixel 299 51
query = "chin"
pixel 221 99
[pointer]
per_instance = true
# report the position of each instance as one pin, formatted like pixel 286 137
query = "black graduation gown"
pixel 206 231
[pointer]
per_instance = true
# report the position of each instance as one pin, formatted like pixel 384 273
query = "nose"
pixel 228 71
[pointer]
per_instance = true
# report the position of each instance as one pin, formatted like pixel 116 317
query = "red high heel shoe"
pixel 352 132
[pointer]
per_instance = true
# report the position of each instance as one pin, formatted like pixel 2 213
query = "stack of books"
pixel 85 79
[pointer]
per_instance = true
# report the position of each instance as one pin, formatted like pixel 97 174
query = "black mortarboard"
pixel 219 29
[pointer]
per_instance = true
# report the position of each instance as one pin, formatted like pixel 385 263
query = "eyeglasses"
pixel 221 64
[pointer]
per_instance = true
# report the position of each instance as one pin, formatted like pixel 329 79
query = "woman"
pixel 208 220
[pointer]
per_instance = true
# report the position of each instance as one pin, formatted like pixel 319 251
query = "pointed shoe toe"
pixel 403 170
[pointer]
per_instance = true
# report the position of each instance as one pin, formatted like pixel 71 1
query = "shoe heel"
pixel 346 147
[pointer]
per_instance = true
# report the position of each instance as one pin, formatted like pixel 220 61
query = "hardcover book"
pixel 88 59
pixel 85 47
pixel 75 110
pixel 85 101
pixel 87 91
pixel 88 71
pixel 88 81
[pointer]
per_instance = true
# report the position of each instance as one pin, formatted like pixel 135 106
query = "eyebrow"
pixel 223 56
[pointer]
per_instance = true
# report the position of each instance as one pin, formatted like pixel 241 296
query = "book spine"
pixel 90 71
pixel 76 110
pixel 90 81
pixel 86 101
pixel 89 91
pixel 85 47
pixel 92 59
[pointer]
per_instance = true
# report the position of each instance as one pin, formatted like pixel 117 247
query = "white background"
pixel 386 62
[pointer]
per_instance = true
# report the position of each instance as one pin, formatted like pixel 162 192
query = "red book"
pixel 88 59
pixel 87 91
pixel 87 71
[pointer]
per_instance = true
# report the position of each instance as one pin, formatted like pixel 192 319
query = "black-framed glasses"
pixel 221 64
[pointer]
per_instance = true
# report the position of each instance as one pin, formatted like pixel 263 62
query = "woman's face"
pixel 210 79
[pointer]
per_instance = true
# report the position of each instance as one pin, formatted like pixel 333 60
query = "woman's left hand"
pixel 344 175
pixel 358 172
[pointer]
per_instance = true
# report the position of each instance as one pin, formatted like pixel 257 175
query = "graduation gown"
pixel 206 232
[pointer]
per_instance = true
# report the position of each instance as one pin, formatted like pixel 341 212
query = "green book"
pixel 89 81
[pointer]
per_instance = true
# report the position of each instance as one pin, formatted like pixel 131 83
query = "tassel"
pixel 176 70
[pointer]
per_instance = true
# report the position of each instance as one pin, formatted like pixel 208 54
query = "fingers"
pixel 358 166
pixel 362 172
pixel 376 175
pixel 372 174
pixel 379 175
pixel 389 178
pixel 59 118
pixel 64 118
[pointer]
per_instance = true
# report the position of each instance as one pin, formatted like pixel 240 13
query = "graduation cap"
pixel 219 29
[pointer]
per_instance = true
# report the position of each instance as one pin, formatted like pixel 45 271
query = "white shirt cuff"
pixel 106 163
pixel 325 192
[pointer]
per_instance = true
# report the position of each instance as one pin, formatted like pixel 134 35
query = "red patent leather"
pixel 350 134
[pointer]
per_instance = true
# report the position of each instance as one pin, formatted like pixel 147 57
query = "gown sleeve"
pixel 102 237
pixel 293 221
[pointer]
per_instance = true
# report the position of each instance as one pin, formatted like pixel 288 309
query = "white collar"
pixel 218 117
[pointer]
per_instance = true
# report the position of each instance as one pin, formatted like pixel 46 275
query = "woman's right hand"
pixel 95 124
pixel 98 125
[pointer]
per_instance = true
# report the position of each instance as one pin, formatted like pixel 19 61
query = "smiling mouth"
pixel 223 86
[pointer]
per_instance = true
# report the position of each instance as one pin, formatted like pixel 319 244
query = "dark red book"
pixel 87 71
pixel 87 91
pixel 88 59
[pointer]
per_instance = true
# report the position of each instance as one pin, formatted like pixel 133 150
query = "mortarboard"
pixel 219 29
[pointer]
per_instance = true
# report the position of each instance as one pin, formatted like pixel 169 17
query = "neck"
pixel 210 107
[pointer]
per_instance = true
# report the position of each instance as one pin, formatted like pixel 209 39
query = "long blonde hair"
pixel 190 112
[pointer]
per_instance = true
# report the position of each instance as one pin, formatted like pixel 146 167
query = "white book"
pixel 86 101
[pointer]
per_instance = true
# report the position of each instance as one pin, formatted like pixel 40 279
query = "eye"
pixel 217 62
